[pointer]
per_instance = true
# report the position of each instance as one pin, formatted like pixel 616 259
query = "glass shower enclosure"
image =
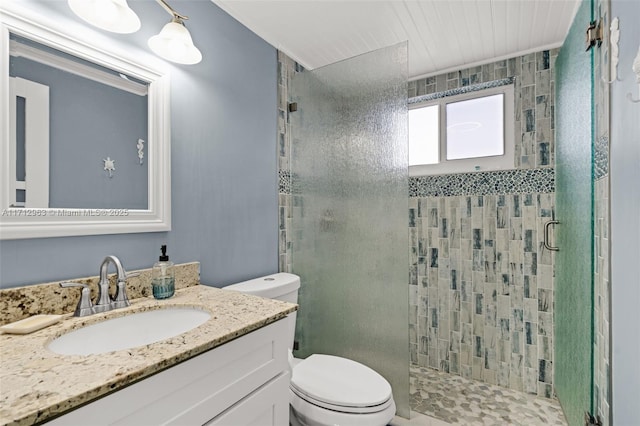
pixel 574 280
pixel 349 176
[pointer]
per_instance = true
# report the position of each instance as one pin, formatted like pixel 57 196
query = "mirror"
pixel 85 136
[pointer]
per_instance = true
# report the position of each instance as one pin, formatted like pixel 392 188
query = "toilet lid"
pixel 340 383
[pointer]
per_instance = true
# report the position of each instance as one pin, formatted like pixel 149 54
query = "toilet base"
pixel 303 413
pixel 293 418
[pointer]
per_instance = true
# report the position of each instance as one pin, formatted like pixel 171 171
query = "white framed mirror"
pixel 85 143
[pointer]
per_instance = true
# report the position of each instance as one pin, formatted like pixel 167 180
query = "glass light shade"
pixel 109 15
pixel 174 44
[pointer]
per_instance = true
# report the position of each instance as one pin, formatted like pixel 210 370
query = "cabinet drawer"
pixel 195 390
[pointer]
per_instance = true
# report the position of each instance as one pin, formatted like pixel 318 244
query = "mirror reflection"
pixel 79 132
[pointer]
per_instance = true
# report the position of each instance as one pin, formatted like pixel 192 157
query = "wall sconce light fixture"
pixel 174 42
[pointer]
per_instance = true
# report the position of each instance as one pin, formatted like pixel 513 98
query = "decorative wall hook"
pixel 636 69
pixel 614 38
pixel 140 146
pixel 109 166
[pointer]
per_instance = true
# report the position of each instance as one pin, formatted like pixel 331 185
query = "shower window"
pixel 462 133
pixel 424 135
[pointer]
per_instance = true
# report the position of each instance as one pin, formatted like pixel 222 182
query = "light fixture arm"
pixel 176 16
pixel 174 42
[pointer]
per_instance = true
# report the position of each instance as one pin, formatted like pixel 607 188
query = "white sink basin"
pixel 129 331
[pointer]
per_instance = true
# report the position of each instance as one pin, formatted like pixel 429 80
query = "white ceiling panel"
pixel 442 35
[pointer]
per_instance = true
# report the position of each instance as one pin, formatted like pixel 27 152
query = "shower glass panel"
pixel 349 168
pixel 574 285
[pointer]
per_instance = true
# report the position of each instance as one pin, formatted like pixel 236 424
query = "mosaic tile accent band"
pixel 522 181
pixel 519 181
pixel 461 90
pixel 601 158
pixel 284 182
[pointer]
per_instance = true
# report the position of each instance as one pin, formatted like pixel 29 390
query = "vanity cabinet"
pixel 243 382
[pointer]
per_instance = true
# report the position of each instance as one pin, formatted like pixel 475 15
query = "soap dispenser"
pixel 163 278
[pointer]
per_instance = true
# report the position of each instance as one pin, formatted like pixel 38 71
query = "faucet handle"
pixel 121 300
pixel 84 307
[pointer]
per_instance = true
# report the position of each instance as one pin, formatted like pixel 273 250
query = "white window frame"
pixel 482 164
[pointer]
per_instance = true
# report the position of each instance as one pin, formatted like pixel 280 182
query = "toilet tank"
pixel 281 286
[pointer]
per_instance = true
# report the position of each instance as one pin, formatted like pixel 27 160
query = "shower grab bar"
pixel 546 235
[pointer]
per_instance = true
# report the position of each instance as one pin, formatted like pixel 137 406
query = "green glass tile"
pixel 574 235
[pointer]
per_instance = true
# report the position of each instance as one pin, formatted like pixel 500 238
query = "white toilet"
pixel 326 390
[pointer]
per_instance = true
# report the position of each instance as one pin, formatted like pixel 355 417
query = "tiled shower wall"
pixel 286 68
pixel 481 281
pixel 481 299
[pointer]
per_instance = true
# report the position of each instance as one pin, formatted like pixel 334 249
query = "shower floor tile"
pixel 460 401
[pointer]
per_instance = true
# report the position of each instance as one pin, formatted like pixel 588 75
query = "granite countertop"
pixel 37 384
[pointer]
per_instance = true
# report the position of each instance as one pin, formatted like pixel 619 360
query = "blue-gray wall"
pixel 88 122
pixel 624 173
pixel 224 174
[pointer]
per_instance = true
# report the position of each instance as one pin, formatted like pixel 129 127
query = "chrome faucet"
pixel 104 302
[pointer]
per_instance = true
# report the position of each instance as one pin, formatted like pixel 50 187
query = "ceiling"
pixel 443 35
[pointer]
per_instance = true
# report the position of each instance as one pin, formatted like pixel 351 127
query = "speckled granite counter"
pixel 36 384
pixel 48 298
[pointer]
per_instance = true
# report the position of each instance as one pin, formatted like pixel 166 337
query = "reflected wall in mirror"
pixel 85 139
pixel 93 114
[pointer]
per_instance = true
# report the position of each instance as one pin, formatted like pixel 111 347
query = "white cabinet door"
pixel 267 406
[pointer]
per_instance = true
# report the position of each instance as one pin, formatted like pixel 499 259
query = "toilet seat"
pixel 340 384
